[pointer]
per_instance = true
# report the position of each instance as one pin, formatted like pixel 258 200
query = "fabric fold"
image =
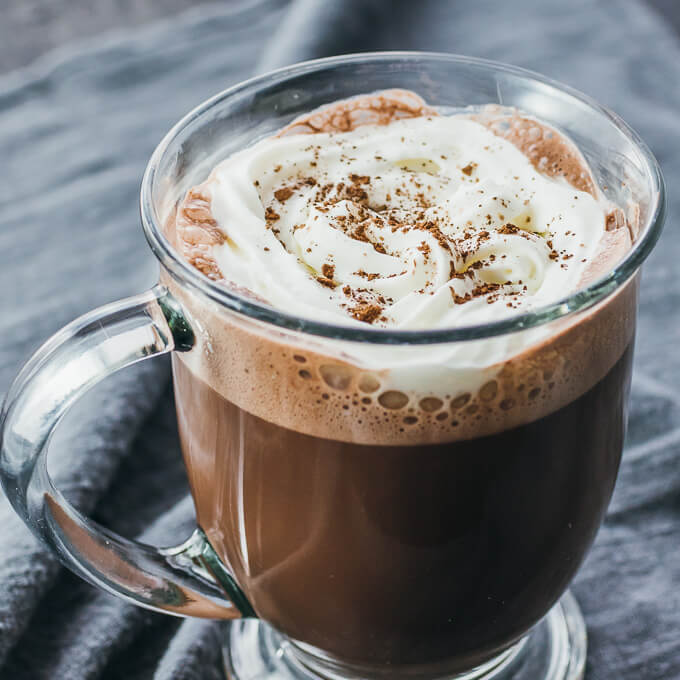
pixel 313 29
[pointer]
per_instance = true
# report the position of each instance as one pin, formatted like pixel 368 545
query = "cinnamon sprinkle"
pixel 324 281
pixel 367 312
pixel 283 194
pixel 359 179
pixel 365 275
pixel 270 215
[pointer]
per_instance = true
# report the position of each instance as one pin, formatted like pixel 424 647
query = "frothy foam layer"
pixel 481 233
pixel 327 389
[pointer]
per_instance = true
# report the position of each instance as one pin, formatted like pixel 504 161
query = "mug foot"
pixel 555 649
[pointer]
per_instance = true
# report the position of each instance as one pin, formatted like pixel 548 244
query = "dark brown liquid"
pixel 379 555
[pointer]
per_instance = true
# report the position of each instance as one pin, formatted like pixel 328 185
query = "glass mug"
pixel 349 529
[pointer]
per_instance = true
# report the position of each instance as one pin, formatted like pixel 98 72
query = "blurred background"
pixel 87 90
pixel 30 28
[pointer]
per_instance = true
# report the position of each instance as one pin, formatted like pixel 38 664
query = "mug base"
pixel 554 649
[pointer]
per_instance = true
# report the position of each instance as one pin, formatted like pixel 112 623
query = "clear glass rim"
pixel 575 302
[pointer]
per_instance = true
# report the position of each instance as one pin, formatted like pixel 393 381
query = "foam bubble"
pixel 368 383
pixel 392 399
pixel 488 391
pixel 431 404
pixel 336 376
pixel 460 401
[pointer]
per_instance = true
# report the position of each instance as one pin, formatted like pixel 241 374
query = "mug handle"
pixel 188 580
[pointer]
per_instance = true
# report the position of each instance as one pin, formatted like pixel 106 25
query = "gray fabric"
pixel 75 132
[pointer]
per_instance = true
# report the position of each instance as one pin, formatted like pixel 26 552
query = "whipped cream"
pixel 426 222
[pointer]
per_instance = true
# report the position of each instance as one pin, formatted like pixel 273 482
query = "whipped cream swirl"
pixel 427 222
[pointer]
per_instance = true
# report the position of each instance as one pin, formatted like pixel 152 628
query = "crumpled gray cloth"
pixel 76 130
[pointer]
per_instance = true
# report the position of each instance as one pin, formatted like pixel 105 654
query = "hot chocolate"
pixel 439 554
pixel 416 505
